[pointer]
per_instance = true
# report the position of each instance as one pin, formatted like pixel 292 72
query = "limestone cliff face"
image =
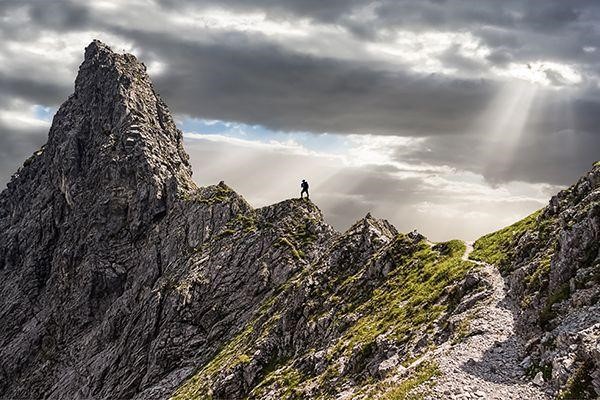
pixel 120 278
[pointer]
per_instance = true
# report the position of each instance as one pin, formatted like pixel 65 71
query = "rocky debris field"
pixel 488 363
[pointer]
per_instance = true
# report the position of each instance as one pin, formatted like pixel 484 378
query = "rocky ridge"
pixel 118 274
pixel 551 263
pixel 120 278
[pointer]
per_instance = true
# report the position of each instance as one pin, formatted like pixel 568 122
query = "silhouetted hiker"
pixel 304 186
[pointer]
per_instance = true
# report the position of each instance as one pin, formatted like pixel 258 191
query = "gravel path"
pixel 485 365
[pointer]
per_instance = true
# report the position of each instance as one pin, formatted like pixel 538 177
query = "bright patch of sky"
pixel 352 150
pixel 24 116
pixel 43 113
pixel 319 143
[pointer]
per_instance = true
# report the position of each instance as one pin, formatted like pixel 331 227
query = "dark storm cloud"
pixel 58 15
pixel 34 89
pixel 64 15
pixel 16 145
pixel 246 78
pixel 259 83
pixel 522 26
pixel 255 79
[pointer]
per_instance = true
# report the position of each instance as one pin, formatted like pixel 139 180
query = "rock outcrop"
pixel 552 266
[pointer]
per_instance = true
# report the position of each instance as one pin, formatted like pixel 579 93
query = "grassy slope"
pixel 501 249
pixel 495 248
pixel 406 304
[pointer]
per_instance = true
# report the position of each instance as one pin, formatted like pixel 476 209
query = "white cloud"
pixel 21 116
pixel 544 73
pixel 440 202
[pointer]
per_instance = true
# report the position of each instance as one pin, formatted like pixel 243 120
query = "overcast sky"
pixel 454 117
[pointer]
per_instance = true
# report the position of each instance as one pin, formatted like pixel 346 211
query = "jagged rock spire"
pixel 114 141
pixel 116 112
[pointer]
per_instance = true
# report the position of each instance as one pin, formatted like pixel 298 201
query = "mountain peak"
pixel 95 47
pixel 104 68
pixel 112 142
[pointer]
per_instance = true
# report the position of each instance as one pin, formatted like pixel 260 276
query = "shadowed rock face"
pixel 117 274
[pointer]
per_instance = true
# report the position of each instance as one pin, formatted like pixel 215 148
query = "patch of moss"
pixel 461 331
pixel 220 194
pixel 579 386
pixel 535 280
pixel 286 379
pixel 297 254
pixel 243 359
pixel 405 390
pixel 545 369
pixel 198 386
pixel 242 223
pixel 547 313
pixel 248 222
pixel 303 235
pixel 227 232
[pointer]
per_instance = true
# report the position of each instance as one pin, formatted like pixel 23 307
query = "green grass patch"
pixel 579 386
pixel 405 390
pixel 216 194
pixel 495 248
pixel 297 254
pixel 407 303
pixel 199 385
pixel 286 379
pixel 560 294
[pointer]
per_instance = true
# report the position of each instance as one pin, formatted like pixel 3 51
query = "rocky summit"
pixel 120 278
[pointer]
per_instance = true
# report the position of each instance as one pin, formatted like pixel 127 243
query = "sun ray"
pixel 504 124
